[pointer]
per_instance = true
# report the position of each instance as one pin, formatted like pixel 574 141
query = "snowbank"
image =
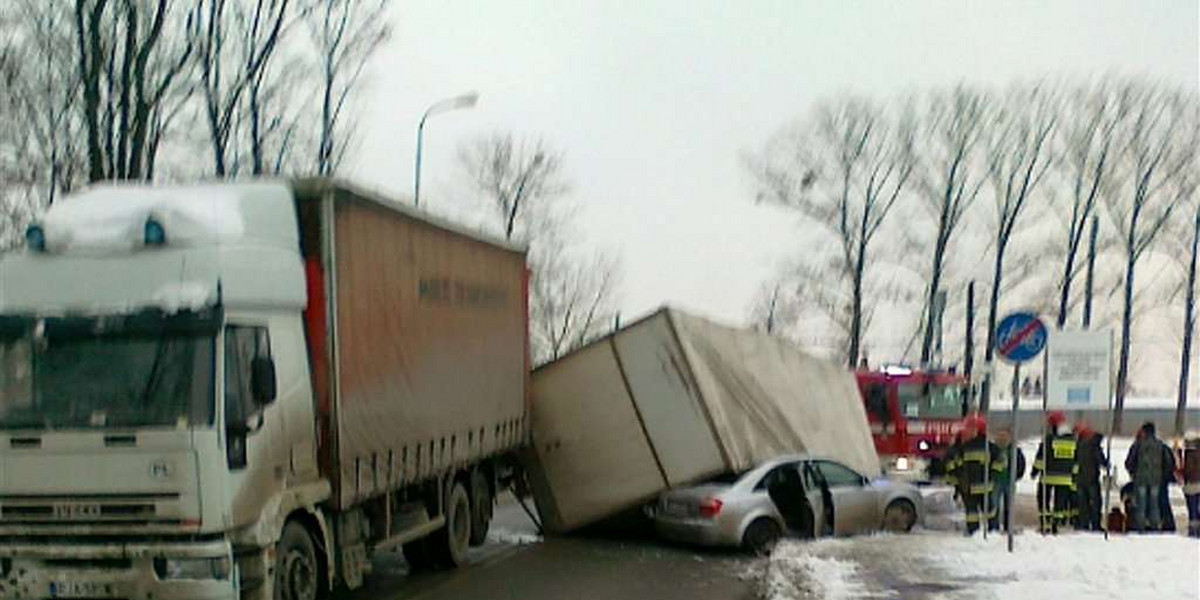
pixel 1066 567
pixel 516 538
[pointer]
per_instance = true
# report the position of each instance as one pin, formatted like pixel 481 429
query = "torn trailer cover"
pixel 674 399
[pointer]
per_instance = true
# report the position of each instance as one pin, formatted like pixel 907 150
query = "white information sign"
pixel 1078 369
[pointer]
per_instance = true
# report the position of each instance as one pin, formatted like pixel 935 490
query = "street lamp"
pixel 467 100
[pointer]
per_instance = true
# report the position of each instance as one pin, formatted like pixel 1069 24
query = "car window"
pixel 773 476
pixel 839 476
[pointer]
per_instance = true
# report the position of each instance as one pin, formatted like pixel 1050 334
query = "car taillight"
pixel 710 508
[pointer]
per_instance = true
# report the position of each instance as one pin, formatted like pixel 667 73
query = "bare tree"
pixel 1020 158
pixel 1156 155
pixel 955 123
pixel 127 63
pixel 346 34
pixel 521 178
pixel 1189 239
pixel 523 187
pixel 1086 141
pixel 845 171
pixel 571 300
pixel 235 42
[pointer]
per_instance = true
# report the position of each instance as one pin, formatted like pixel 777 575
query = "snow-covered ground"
pixel 947 566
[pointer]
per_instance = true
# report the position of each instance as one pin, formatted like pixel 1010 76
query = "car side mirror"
pixel 262 380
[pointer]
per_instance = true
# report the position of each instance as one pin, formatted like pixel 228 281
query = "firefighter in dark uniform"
pixel 975 467
pixel 1057 469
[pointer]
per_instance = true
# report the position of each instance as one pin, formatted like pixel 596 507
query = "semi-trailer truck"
pixel 246 390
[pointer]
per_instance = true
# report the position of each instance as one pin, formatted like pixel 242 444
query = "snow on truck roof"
pixel 237 243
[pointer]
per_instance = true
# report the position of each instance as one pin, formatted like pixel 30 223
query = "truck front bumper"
pixel 125 571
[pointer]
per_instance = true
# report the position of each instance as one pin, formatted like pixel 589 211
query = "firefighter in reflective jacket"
pixel 974 467
pixel 1057 469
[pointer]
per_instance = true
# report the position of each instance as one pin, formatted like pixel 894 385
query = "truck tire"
pixel 448 545
pixel 418 556
pixel 482 504
pixel 297 569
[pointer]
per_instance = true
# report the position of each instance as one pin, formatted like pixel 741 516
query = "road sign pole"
pixel 1013 448
pixel 1020 337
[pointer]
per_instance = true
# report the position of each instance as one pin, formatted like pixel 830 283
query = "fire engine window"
pixel 945 402
pixel 941 401
pixel 910 399
pixel 877 403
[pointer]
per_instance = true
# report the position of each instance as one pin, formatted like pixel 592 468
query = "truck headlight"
pixel 192 568
pixel 902 463
pixel 923 446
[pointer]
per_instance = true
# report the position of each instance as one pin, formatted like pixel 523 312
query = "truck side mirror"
pixel 262 380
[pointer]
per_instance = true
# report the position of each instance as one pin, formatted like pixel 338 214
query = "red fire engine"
pixel 914 416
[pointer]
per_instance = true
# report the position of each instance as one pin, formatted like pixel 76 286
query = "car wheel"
pixel 900 516
pixel 297 572
pixel 761 536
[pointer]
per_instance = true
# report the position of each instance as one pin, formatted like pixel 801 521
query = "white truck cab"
pixel 243 390
pixel 154 393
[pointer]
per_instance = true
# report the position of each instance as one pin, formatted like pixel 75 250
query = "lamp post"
pixel 467 100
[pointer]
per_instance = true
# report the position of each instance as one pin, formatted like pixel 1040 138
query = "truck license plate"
pixel 81 589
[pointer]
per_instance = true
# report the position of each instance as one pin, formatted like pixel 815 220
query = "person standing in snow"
pixel 1007 448
pixel 976 466
pixel 1089 455
pixel 1055 463
pixel 1191 481
pixel 1149 461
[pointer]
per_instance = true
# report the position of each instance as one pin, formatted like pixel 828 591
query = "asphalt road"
pixel 516 564
pixel 513 564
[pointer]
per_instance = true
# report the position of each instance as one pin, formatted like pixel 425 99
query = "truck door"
pixel 255 464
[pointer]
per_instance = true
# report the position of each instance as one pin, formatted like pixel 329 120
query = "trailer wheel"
pixel 297 572
pixel 450 543
pixel 418 556
pixel 481 508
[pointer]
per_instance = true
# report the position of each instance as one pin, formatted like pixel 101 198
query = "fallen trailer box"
pixel 673 399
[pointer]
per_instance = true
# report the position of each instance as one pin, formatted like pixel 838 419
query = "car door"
pixel 812 492
pixel 854 502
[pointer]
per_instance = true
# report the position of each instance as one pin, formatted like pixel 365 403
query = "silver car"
pixel 737 511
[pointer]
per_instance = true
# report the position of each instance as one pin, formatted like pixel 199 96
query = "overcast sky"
pixel 653 103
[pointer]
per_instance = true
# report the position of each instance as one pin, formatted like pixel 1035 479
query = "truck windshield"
pixel 941 401
pixel 92 373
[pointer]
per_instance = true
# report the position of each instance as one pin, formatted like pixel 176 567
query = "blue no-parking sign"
pixel 1020 337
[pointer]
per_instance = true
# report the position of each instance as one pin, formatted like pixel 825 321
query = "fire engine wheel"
pixel 450 543
pixel 761 536
pixel 481 508
pixel 900 516
pixel 297 572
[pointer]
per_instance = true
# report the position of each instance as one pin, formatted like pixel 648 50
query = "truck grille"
pixel 141 508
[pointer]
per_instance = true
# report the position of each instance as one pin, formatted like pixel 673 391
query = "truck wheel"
pixel 481 508
pixel 449 544
pixel 418 556
pixel 899 517
pixel 761 536
pixel 297 572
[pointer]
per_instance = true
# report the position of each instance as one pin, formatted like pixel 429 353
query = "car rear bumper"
pixel 694 531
